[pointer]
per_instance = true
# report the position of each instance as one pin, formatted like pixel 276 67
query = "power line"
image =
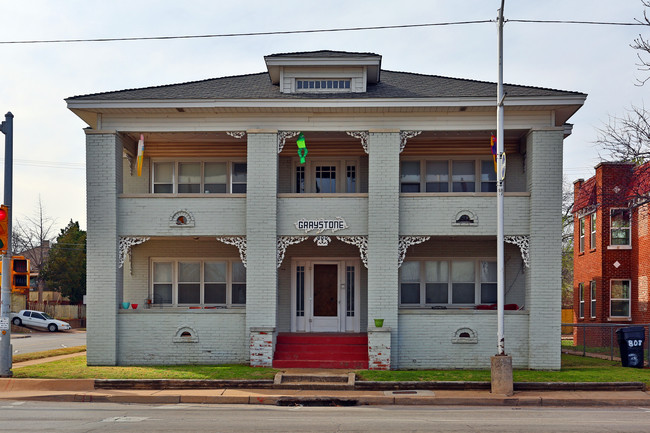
pixel 47 164
pixel 294 32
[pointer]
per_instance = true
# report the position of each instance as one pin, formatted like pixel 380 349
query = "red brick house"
pixel 612 247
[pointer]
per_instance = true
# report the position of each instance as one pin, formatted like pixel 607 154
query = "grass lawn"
pixel 574 369
pixel 47 353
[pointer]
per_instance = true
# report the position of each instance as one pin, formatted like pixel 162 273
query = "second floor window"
pixel 447 176
pixel 193 177
pixel 581 223
pixel 620 226
pixel 592 224
pixel 324 177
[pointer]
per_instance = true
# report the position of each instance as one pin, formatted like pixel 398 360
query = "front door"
pixel 325 296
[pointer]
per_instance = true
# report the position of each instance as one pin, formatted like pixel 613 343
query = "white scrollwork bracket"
pixel 283 244
pixel 126 242
pixel 322 241
pixel 236 134
pixel 360 242
pixel 239 242
pixel 523 242
pixel 361 135
pixel 405 242
pixel 283 136
pixel 405 136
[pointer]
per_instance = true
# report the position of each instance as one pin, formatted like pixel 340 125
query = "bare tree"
pixel 567 245
pixel 31 239
pixel 642 45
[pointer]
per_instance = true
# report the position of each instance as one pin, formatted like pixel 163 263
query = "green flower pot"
pixel 379 323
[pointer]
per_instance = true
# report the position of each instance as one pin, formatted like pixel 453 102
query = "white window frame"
pixel 478 167
pixel 175 261
pixel 581 295
pixel 628 299
pixel 299 86
pixel 450 260
pixel 581 232
pixel 627 228
pixel 592 231
pixel 592 299
pixel 309 168
pixel 175 170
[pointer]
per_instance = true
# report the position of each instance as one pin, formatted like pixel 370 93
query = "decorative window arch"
pixel 186 334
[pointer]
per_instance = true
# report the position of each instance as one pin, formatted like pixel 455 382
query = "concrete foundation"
pixel 502 375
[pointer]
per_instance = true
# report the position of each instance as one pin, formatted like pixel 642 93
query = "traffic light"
pixel 4 229
pixel 19 275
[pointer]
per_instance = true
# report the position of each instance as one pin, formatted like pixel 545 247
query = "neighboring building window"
pixel 193 177
pixel 446 176
pixel 326 85
pixel 593 299
pixel 324 177
pixel 581 294
pixel 198 282
pixel 447 282
pixel 620 226
pixel 592 224
pixel 619 304
pixel 581 223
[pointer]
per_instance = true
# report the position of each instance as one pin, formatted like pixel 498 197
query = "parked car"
pixel 39 319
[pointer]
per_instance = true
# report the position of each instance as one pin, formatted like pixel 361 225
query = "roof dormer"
pixel 323 71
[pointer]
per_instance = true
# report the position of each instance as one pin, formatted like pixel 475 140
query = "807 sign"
pixel 634 343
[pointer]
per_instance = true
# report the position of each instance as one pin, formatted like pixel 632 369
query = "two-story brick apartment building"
pixel 230 246
pixel 611 248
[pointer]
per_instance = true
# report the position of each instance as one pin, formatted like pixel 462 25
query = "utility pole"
pixel 501 364
pixel 7 128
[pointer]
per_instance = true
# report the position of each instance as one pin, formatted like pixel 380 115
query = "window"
pixel 620 226
pixel 193 177
pixel 446 176
pixel 592 307
pixel 619 304
pixel 581 294
pixel 198 282
pixel 323 177
pixel 581 223
pixel 592 224
pixel 323 85
pixel 448 282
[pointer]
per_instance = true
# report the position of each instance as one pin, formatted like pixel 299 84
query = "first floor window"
pixel 593 299
pixel 581 294
pixel 198 282
pixel 447 282
pixel 619 298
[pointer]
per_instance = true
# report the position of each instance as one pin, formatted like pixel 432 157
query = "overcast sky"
pixel 49 155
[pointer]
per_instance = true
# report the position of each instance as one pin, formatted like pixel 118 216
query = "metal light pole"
pixel 7 129
pixel 501 364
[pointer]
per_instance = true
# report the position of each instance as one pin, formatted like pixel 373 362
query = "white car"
pixel 39 319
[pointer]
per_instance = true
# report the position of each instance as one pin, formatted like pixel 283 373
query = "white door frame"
pixel 307 322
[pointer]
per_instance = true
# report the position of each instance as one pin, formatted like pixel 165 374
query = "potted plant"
pixel 379 323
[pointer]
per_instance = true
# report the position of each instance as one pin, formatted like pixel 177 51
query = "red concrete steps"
pixel 321 350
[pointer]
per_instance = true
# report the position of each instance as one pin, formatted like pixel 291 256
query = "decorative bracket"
pixel 360 242
pixel 126 242
pixel 239 242
pixel 322 240
pixel 283 136
pixel 405 242
pixel 236 134
pixel 523 242
pixel 404 136
pixel 284 242
pixel 361 135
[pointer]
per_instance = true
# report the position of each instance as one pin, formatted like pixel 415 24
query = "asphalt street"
pixel 108 417
pixel 38 341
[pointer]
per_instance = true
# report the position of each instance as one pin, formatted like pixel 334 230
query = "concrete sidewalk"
pixel 83 390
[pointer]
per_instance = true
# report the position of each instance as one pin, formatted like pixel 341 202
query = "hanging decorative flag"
pixel 302 148
pixel 140 154
pixel 493 146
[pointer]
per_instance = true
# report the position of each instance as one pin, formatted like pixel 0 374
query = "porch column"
pixel 104 278
pixel 261 244
pixel 383 238
pixel 543 279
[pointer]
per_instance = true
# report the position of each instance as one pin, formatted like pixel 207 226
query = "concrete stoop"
pixel 314 381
